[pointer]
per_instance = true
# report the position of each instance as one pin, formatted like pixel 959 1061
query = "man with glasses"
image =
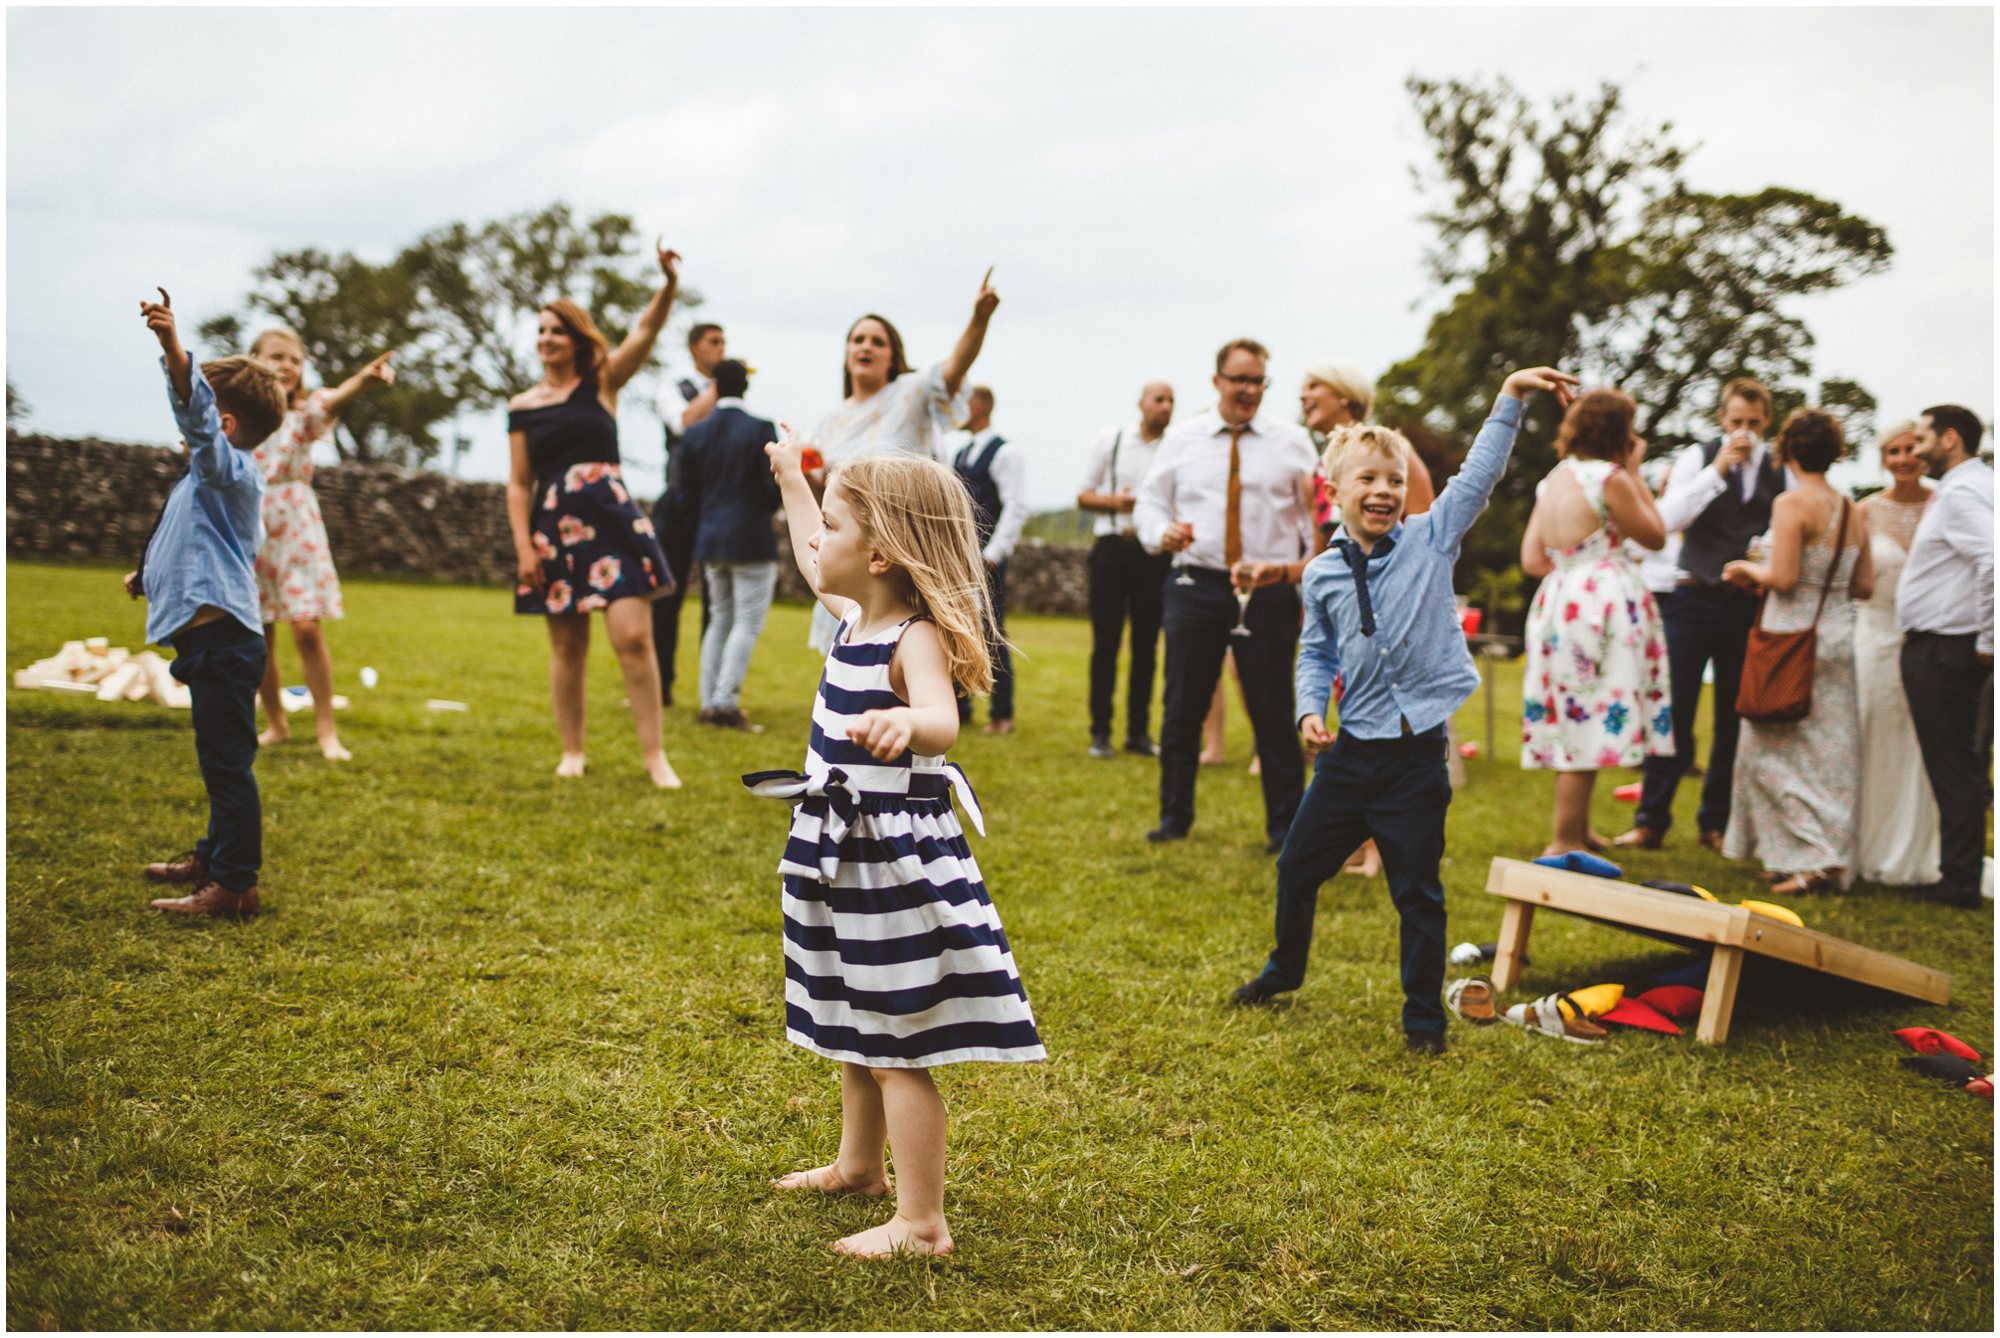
pixel 1229 488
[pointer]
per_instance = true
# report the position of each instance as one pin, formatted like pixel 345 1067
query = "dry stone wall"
pixel 90 498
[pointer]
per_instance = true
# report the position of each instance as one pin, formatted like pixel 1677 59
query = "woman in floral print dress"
pixel 581 544
pixel 1596 690
pixel 296 582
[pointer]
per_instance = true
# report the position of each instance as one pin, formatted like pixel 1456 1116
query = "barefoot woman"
pixel 580 542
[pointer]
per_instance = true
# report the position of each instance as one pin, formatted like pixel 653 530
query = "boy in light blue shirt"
pixel 201 591
pixel 1380 613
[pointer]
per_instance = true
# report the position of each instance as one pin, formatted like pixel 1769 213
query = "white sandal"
pixel 1547 1016
pixel 1471 1000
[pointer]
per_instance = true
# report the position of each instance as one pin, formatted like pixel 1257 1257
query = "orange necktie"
pixel 1232 524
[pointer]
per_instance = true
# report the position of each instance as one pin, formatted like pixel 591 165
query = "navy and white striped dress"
pixel 894 955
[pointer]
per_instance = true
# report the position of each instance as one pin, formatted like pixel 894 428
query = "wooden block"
pixel 1718 998
pixel 1515 922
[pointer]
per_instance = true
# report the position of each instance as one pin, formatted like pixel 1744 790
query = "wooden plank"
pixel 1649 910
pixel 1718 1000
pixel 1618 903
pixel 1515 922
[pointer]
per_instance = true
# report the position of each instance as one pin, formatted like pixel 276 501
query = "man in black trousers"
pixel 1126 581
pixel 1945 608
pixel 706 346
pixel 1719 497
pixel 1230 487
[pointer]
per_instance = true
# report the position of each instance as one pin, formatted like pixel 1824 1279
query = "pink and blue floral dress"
pixel 1596 693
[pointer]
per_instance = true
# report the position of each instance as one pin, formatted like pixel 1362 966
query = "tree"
pixel 1572 238
pixel 458 306
pixel 18 409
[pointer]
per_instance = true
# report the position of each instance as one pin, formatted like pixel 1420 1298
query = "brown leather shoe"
pixel 1711 841
pixel 706 716
pixel 732 717
pixel 213 900
pixel 189 868
pixel 1641 838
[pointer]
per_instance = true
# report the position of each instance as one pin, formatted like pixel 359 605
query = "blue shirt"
pixel 1415 666
pixel 204 549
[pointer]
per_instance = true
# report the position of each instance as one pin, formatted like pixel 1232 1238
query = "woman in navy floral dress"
pixel 581 543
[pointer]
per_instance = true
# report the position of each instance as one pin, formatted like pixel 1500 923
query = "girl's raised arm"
pixel 802 518
pixel 344 394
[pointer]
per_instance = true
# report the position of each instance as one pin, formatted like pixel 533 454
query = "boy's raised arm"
pixel 160 320
pixel 1466 495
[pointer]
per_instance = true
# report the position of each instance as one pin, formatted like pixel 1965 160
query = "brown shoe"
pixel 1711 841
pixel 732 717
pixel 1641 838
pixel 189 868
pixel 705 716
pixel 213 900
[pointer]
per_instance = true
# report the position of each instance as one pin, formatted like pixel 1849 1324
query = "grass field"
pixel 507 1051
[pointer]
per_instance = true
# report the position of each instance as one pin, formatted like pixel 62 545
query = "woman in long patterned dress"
pixel 1596 689
pixel 887 407
pixel 1798 781
pixel 296 582
pixel 1898 841
pixel 581 543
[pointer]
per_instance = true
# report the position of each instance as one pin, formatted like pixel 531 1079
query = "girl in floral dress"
pixel 1596 691
pixel 296 582
pixel 581 544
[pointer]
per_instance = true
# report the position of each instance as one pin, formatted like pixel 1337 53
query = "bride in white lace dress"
pixel 1798 781
pixel 1898 817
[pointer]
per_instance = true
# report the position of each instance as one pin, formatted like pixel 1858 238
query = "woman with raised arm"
pixel 888 407
pixel 580 542
pixel 296 582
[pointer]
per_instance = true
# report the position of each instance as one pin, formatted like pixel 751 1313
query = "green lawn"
pixel 508 1052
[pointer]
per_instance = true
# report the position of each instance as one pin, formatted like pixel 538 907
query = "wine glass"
pixel 1242 591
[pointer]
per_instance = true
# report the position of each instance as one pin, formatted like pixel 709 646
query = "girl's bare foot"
pixel 662 772
pixel 330 749
pixel 274 734
pixel 571 765
pixel 829 1180
pixel 1211 759
pixel 1257 765
pixel 1367 864
pixel 898 1235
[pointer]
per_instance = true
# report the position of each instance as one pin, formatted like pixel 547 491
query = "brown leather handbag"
pixel 1777 678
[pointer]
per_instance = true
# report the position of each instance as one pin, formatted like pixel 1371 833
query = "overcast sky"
pixel 1148 183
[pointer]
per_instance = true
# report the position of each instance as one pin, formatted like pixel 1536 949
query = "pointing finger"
pixel 166 301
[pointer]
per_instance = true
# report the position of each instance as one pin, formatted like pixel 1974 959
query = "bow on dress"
pixel 827 806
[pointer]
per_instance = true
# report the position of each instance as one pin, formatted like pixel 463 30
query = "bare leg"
pixel 318 662
pixel 1572 813
pixel 569 657
pixel 272 693
pixel 1256 758
pixel 1366 861
pixel 1211 728
pixel 916 1123
pixel 859 1168
pixel 630 622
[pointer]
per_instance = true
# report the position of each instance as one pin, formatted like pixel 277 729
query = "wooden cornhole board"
pixel 1730 930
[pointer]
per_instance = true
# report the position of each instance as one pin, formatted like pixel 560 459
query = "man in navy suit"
pixel 729 496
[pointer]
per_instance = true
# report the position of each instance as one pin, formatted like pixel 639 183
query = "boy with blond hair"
pixel 198 579
pixel 1380 613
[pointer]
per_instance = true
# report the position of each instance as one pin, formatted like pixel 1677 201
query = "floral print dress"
pixel 295 575
pixel 1596 691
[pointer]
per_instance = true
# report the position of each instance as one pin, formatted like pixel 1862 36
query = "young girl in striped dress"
pixel 895 961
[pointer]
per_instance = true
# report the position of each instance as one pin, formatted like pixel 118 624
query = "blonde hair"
pixel 1347 380
pixel 284 332
pixel 1907 427
pixel 917 514
pixel 1354 438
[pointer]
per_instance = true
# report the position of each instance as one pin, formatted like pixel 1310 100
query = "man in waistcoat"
pixel 1719 497
pixel 1126 581
pixel 706 347
pixel 1229 486
pixel 996 476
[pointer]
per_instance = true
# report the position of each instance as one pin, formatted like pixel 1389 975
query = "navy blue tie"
pixel 1357 562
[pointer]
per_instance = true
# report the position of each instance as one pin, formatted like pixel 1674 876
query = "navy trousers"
pixel 1125 582
pixel 1706 624
pixel 999 706
pixel 1395 791
pixel 222 663
pixel 677 542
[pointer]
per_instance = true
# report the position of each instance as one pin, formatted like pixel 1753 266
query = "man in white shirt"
pixel 996 476
pixel 706 347
pixel 1229 487
pixel 1126 581
pixel 1945 608
pixel 1719 498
